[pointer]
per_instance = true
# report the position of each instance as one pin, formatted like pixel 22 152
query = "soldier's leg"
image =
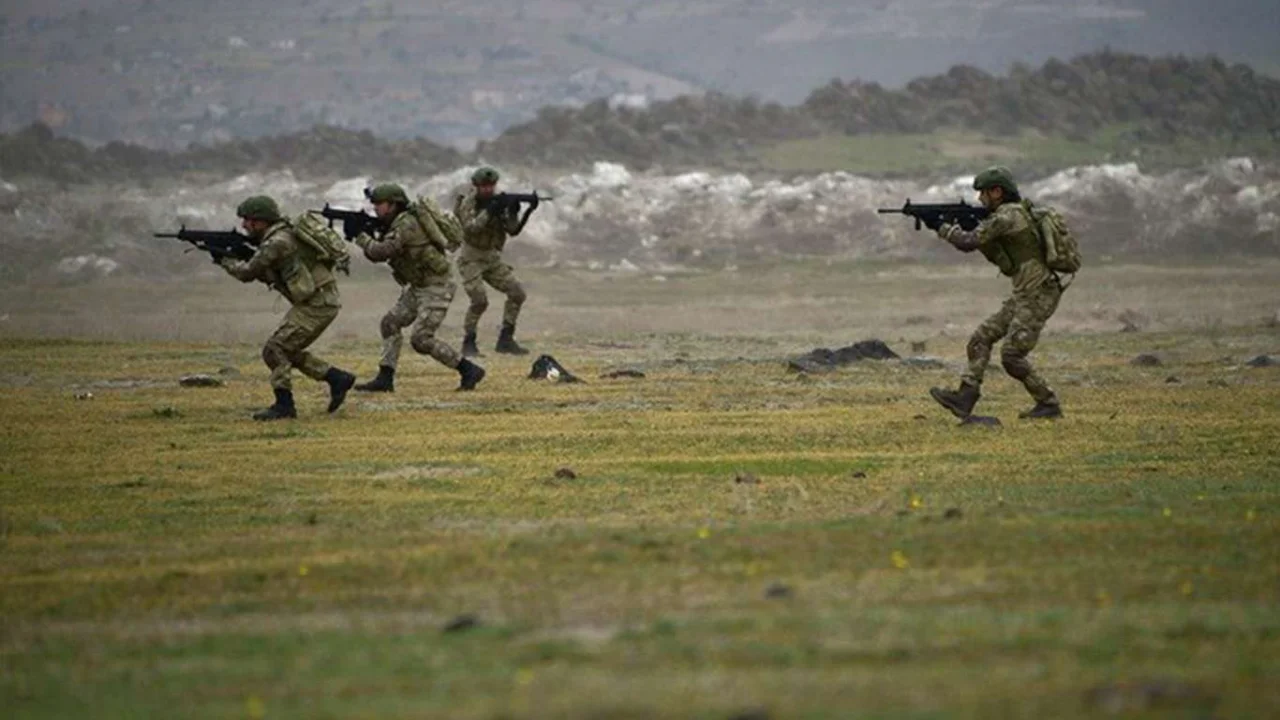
pixel 983 340
pixel 503 279
pixel 400 316
pixel 433 304
pixel 472 272
pixel 1030 315
pixel 962 400
pixel 309 322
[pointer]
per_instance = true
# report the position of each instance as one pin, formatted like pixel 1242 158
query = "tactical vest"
pixel 1009 251
pixel 420 260
pixel 490 237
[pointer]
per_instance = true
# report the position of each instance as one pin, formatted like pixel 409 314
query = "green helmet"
pixel 484 176
pixel 259 207
pixel 388 192
pixel 998 176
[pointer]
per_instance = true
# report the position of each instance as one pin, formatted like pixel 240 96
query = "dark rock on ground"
pixel 1146 360
pixel 954 513
pixel 820 359
pixel 777 590
pixel 1263 361
pixel 565 473
pixel 461 623
pixel 746 478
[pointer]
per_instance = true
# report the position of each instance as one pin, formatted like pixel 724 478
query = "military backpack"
pixel 331 250
pixel 1061 251
pixel 441 226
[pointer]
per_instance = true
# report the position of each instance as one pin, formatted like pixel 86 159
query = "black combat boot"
pixel 470 373
pixel 1043 411
pixel 340 381
pixel 959 402
pixel 469 348
pixel 281 410
pixel 507 341
pixel 385 382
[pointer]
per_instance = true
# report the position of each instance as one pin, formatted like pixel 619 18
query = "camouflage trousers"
pixel 478 267
pixel 287 347
pixel 424 308
pixel 1019 322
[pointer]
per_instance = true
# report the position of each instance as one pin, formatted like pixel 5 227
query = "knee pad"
pixel 389 327
pixel 422 343
pixel 274 355
pixel 1015 362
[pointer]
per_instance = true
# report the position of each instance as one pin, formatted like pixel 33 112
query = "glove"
pixel 944 231
pixel 362 240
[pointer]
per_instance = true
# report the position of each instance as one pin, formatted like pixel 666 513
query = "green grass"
pixel 1122 560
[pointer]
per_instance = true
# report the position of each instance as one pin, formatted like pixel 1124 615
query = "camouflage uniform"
pixel 480 261
pixel 289 266
pixel 1009 240
pixel 422 269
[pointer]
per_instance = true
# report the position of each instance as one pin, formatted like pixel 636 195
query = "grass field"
pixel 162 555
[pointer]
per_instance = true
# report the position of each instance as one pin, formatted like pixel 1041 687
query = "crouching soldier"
pixel 292 268
pixel 1008 238
pixel 419 264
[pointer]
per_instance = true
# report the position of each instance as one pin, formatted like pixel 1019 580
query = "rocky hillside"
pixel 1155 99
pixel 1145 102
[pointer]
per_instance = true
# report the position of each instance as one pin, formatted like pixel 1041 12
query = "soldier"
pixel 291 268
pixel 419 264
pixel 480 261
pixel 1008 238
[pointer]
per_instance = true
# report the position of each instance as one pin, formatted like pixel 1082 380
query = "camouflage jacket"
pixel 481 230
pixel 1009 240
pixel 414 258
pixel 289 266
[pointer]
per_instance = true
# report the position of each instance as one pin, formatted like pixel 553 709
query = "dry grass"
pixel 158 550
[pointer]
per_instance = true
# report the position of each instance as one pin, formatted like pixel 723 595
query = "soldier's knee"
pixel 479 301
pixel 1015 362
pixel 516 294
pixel 390 325
pixel 274 354
pixel 423 342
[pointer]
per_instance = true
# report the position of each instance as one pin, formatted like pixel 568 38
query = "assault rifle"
pixel 217 243
pixel 354 222
pixel 934 216
pixel 500 203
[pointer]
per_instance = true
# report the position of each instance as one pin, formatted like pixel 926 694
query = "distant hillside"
pixel 1157 100
pixel 36 152
pixel 1169 111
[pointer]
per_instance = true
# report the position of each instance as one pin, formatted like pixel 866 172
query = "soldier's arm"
pixel 992 227
pixel 381 250
pixel 266 258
